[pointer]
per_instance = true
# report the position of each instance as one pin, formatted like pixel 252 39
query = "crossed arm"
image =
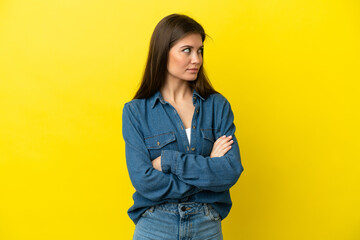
pixel 221 146
pixel 175 175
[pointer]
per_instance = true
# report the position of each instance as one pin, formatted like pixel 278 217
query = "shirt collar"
pixel 158 97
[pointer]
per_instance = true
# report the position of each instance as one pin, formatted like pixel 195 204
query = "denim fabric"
pixel 185 221
pixel 152 127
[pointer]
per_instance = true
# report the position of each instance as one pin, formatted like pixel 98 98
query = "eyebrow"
pixel 188 46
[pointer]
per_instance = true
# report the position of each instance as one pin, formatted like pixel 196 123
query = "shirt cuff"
pixel 168 161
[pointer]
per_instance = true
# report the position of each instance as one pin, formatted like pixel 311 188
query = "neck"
pixel 176 92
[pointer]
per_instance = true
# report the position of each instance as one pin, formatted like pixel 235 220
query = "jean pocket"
pixel 212 213
pixel 158 142
pixel 147 212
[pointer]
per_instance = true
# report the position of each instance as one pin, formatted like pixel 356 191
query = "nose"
pixel 196 58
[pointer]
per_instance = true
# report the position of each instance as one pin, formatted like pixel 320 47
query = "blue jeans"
pixel 179 221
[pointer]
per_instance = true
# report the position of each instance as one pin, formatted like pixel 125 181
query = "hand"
pixel 157 163
pixel 221 146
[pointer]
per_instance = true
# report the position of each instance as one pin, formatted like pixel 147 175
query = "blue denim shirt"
pixel 152 127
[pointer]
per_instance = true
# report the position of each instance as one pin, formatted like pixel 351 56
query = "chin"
pixel 192 78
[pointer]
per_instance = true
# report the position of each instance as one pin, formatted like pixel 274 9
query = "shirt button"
pixel 194 126
pixel 193 149
pixel 158 143
pixel 197 111
pixel 195 98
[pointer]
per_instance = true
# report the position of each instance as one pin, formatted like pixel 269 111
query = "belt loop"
pixel 206 209
pixel 151 209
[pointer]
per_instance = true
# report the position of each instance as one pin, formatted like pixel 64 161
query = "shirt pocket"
pixel 156 143
pixel 208 137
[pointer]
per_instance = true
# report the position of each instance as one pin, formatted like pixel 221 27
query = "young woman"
pixel 181 151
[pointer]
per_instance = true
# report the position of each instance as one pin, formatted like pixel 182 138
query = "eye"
pixel 187 50
pixel 201 50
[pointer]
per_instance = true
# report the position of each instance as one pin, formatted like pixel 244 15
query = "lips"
pixel 193 69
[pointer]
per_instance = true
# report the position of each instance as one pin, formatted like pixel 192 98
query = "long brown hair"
pixel 169 30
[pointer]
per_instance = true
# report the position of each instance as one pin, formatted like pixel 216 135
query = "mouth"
pixel 193 69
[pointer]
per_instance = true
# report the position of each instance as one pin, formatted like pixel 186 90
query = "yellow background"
pixel 290 70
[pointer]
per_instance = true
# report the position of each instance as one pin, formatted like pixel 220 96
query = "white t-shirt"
pixel 188 132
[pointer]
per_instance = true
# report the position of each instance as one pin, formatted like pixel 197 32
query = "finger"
pixel 225 150
pixel 221 141
pixel 226 139
pixel 220 138
pixel 229 143
pixel 224 144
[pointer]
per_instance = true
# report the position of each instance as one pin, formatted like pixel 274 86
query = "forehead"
pixel 192 39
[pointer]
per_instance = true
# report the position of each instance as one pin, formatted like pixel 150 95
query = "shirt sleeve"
pixel 214 174
pixel 149 182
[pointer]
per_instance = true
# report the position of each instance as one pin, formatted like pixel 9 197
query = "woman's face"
pixel 185 58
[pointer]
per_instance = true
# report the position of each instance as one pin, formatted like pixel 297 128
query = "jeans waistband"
pixel 184 208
